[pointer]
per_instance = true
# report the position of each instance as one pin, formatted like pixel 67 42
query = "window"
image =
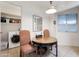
pixel 67 23
pixel 37 23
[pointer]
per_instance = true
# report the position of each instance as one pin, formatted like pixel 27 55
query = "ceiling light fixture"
pixel 51 10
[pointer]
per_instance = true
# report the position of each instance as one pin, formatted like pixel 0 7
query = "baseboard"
pixel 68 45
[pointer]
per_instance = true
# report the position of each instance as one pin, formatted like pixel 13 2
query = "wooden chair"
pixel 25 45
pixel 46 33
pixel 42 48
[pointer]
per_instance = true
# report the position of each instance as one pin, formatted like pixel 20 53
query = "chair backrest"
pixel 46 33
pixel 24 37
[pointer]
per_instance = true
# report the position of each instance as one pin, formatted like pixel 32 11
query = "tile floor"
pixel 63 51
pixel 68 51
pixel 13 52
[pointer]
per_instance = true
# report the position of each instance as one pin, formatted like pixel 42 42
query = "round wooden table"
pixel 46 42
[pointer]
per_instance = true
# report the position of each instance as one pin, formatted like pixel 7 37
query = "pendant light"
pixel 51 10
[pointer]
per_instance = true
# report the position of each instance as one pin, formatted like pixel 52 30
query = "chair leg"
pixel 21 54
pixel 51 47
pixel 36 51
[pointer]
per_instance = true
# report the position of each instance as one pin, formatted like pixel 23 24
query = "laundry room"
pixel 10 26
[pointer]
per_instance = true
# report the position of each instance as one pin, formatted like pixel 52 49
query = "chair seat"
pixel 27 48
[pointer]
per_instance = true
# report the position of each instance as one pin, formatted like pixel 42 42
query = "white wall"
pixel 10 8
pixel 8 27
pixel 0 29
pixel 66 38
pixel 27 11
pixel 52 27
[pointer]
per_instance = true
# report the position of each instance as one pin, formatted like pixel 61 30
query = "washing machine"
pixel 14 39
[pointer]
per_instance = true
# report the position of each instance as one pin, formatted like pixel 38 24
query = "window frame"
pixel 34 19
pixel 67 30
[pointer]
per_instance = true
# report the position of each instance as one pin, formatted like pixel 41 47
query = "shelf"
pixel 14 20
pixel 10 18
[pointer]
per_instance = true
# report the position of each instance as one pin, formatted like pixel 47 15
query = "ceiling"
pixel 44 5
